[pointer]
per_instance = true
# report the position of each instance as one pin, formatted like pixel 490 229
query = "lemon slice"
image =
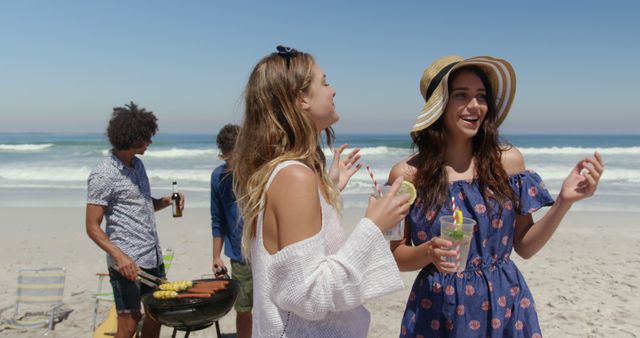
pixel 408 188
pixel 458 217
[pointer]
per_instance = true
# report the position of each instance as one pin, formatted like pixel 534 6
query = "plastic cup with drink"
pixel 396 232
pixel 459 231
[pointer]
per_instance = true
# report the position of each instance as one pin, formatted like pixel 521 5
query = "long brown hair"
pixel 276 129
pixel 431 177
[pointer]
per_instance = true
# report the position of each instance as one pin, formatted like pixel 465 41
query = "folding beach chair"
pixel 167 257
pixel 107 295
pixel 39 299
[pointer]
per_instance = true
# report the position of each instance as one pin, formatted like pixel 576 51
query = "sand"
pixel 585 281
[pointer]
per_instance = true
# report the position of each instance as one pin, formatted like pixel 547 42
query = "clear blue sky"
pixel 65 64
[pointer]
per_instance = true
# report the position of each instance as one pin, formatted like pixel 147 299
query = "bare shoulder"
pixel 405 168
pixel 293 193
pixel 512 160
pixel 294 179
pixel 295 187
pixel 292 211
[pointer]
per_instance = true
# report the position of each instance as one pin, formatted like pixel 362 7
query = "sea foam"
pixel 25 147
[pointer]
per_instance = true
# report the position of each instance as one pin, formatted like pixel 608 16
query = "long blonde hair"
pixel 276 129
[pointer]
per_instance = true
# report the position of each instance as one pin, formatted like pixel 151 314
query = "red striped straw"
pixel 375 183
pixel 453 206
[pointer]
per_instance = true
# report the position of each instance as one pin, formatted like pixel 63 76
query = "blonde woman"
pixel 310 279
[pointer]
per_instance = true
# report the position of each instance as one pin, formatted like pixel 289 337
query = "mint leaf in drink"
pixel 456 234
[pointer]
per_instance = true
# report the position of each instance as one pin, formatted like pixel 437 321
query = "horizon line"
pixel 555 133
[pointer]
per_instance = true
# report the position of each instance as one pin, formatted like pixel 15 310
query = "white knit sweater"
pixel 316 287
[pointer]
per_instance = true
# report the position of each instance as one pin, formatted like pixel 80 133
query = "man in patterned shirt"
pixel 118 190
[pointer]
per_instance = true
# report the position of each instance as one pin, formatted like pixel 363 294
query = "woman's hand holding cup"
pixel 438 248
pixel 390 209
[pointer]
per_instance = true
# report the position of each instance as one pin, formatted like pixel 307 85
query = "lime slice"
pixel 408 188
pixel 458 217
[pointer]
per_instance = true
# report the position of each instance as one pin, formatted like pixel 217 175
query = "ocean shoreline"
pixel 51 169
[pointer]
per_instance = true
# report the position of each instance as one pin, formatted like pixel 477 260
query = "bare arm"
pixel 294 199
pixel 530 237
pixel 407 256
pixel 411 258
pixel 161 203
pixel 93 219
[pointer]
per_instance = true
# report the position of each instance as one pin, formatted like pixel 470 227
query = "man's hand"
pixel 126 266
pixel 218 265
pixel 181 205
pixel 161 203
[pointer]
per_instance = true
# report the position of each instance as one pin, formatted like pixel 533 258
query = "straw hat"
pixel 433 86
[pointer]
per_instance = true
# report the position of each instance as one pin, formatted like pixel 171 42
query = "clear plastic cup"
pixel 396 232
pixel 460 236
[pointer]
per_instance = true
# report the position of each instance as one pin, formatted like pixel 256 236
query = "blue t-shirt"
pixel 225 220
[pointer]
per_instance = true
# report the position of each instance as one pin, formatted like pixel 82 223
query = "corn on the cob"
pixel 177 285
pixel 165 294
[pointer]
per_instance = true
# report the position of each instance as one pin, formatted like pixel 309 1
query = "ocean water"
pixel 44 169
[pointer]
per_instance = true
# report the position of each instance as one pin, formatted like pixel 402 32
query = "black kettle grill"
pixel 192 314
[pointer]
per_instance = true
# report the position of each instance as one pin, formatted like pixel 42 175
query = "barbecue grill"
pixel 192 314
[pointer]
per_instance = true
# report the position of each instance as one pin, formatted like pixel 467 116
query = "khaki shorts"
pixel 242 273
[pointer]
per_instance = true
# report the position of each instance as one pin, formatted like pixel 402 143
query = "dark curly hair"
pixel 226 138
pixel 130 126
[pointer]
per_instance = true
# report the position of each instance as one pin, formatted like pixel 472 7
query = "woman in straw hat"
pixel 310 279
pixel 461 162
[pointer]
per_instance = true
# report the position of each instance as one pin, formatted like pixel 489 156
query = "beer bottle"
pixel 175 201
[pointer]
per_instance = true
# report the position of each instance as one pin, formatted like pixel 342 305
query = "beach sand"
pixel 585 281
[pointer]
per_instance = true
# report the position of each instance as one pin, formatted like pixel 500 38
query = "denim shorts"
pixel 127 294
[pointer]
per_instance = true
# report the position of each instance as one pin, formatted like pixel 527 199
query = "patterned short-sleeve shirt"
pixel 130 219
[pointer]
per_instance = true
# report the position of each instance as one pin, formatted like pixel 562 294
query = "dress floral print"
pixel 490 298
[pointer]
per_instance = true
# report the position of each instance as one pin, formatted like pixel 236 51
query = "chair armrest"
pixel 7 308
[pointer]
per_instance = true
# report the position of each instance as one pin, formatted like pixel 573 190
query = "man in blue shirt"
pixel 226 225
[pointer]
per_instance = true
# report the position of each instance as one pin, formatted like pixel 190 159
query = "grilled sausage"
pixel 193 295
pixel 201 290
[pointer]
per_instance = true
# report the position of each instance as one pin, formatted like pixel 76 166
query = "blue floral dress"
pixel 490 298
